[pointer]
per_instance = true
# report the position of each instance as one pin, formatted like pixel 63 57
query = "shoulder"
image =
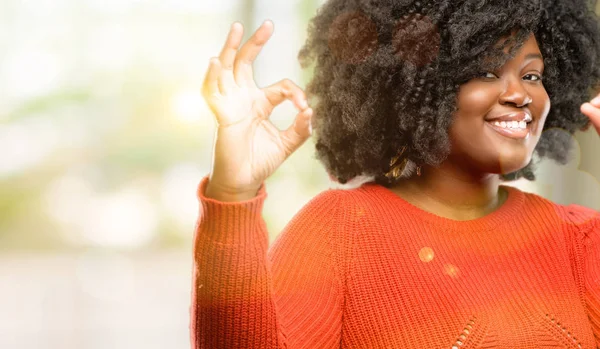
pixel 360 190
pixel 360 201
pixel 577 216
pixel 324 223
pixel 363 197
pixel 583 217
pixel 334 202
pixel 572 214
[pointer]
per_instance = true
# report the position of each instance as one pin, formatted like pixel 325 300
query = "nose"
pixel 515 93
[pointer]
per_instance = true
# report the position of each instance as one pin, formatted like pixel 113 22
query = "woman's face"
pixel 501 115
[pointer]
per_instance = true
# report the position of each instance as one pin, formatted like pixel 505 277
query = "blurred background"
pixel 104 137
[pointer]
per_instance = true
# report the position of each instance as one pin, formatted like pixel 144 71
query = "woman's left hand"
pixel 592 111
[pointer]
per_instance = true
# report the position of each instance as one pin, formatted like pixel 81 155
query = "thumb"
pixel 295 135
pixel 593 113
pixel 285 90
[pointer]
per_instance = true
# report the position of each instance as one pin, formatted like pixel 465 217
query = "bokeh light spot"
pixel 188 106
pixel 426 254
pixel 451 270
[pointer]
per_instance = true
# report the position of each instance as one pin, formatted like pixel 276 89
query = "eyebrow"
pixel 533 56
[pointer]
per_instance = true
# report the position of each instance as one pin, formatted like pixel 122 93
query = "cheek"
pixel 474 102
pixel 540 109
pixel 474 99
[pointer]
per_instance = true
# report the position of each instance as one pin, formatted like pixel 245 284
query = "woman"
pixel 431 104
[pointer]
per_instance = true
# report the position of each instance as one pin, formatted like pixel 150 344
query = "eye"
pixel 535 76
pixel 487 75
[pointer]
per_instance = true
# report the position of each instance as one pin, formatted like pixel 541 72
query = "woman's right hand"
pixel 248 148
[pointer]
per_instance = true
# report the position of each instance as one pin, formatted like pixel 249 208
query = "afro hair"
pixel 387 75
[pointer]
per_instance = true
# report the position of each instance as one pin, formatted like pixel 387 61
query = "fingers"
pixel 592 110
pixel 295 135
pixel 227 57
pixel 210 86
pixel 596 101
pixel 284 90
pixel 248 53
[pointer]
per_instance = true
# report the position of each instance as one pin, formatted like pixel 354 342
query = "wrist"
pixel 216 193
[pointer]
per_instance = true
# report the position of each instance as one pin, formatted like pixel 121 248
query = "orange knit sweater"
pixel 363 268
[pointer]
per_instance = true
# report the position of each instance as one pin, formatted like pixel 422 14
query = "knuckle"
pixel 292 84
pixel 290 87
pixel 240 63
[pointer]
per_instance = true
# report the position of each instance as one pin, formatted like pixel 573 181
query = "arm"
pixel 246 296
pixel 585 252
pixel 591 248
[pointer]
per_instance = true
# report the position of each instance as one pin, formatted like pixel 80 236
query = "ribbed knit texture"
pixel 363 268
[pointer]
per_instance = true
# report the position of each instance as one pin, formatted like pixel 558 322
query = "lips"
pixel 515 133
pixel 510 117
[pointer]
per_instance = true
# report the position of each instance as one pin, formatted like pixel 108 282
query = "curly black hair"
pixel 387 74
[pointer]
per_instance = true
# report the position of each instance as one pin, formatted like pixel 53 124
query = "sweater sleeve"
pixel 586 259
pixel 247 295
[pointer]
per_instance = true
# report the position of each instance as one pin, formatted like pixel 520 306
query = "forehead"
pixel 530 45
pixel 530 50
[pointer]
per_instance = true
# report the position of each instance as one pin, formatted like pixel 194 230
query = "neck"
pixel 452 192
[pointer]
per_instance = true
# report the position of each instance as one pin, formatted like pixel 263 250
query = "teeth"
pixel 511 124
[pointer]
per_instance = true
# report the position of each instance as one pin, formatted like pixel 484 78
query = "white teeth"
pixel 511 124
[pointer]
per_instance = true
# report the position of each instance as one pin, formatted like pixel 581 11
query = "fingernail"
pixel 303 104
pixel 596 101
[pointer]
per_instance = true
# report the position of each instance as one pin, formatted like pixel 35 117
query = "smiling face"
pixel 482 133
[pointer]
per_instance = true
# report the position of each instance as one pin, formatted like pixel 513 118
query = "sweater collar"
pixel 511 209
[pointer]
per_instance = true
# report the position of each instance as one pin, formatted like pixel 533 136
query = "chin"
pixel 512 162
